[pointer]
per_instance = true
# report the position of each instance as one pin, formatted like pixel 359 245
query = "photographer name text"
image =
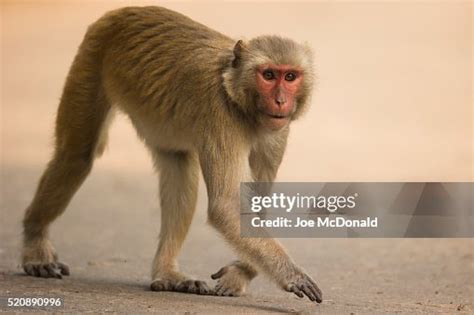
pixel 327 222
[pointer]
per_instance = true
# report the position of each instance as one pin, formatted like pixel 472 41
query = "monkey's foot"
pixel 232 280
pixel 49 270
pixel 182 285
pixel 40 260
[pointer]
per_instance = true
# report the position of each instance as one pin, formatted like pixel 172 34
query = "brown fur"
pixel 190 93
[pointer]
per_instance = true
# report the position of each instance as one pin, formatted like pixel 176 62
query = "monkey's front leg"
pixel 223 175
pixel 264 160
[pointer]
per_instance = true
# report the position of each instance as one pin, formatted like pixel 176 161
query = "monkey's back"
pixel 159 57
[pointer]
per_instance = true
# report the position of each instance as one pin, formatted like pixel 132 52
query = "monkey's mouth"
pixel 277 116
pixel 275 120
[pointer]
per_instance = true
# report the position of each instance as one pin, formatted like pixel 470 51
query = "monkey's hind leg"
pixel 179 173
pixel 82 117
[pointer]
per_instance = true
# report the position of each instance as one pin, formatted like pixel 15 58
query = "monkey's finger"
pixel 30 270
pixel 53 272
pixel 63 268
pixel 202 288
pixel 317 292
pixel 219 274
pixel 36 271
pixel 228 292
pixel 295 290
pixel 298 293
pixel 161 285
pixel 189 286
pixel 308 292
pixel 43 272
pixel 315 286
pixel 211 292
pixel 217 289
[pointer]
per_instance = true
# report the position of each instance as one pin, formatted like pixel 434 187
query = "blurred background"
pixel 393 102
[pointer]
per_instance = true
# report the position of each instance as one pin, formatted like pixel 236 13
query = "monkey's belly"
pixel 152 127
pixel 162 135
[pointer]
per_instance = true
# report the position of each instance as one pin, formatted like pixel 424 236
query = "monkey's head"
pixel 270 79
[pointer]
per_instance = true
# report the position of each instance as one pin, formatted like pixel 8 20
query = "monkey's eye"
pixel 268 75
pixel 290 76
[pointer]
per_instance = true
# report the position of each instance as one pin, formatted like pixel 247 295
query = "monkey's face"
pixel 270 80
pixel 277 87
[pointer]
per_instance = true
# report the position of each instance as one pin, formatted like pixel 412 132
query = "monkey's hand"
pixel 232 280
pixel 302 285
pixel 39 259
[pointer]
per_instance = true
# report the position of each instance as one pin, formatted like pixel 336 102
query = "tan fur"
pixel 192 98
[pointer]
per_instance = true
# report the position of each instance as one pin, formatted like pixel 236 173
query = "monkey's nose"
pixel 280 101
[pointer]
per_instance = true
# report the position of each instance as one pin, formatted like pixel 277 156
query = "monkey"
pixel 201 102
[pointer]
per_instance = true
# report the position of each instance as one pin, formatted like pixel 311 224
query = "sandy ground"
pixel 361 128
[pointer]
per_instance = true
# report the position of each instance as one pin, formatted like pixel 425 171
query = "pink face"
pixel 278 86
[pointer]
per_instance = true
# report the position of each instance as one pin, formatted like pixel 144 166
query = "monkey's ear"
pixel 239 46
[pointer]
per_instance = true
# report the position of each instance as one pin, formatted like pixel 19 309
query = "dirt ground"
pixel 108 240
pixel 360 128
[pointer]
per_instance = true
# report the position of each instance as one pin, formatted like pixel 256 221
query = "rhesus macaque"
pixel 199 100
